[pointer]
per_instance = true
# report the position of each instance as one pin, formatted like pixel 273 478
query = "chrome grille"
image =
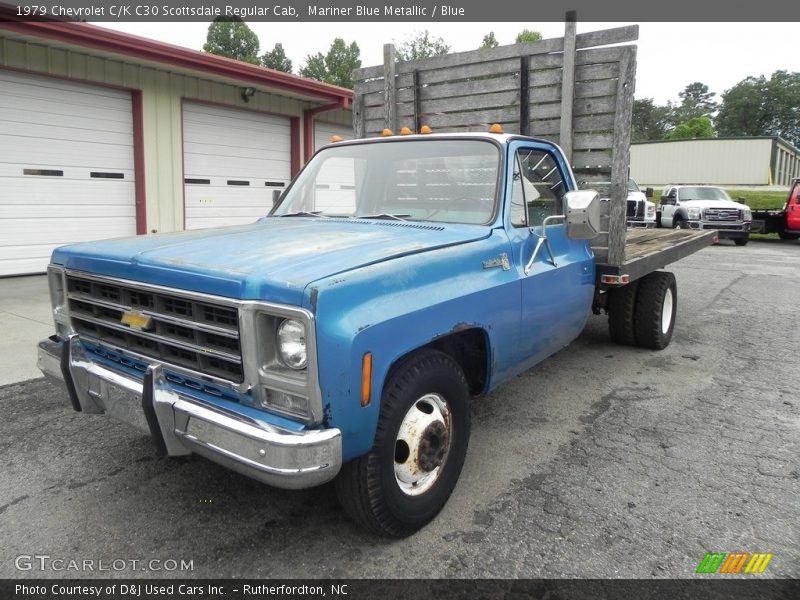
pixel 194 334
pixel 722 214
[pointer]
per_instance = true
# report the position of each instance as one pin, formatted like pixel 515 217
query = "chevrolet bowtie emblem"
pixel 501 261
pixel 137 320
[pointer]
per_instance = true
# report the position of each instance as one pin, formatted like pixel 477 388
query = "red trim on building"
pixel 308 123
pixel 92 36
pixel 138 162
pixel 296 160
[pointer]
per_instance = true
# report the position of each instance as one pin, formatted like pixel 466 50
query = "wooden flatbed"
pixel 647 250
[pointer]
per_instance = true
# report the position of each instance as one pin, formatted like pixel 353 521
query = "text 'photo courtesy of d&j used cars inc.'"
pixel 362 300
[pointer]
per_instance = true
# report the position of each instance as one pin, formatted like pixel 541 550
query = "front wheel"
pixel 419 449
pixel 679 224
pixel 742 241
pixel 656 305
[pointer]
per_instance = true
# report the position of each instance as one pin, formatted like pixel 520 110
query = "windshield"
pixel 632 187
pixel 702 193
pixel 452 181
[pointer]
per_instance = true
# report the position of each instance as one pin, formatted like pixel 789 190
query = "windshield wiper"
pixel 397 217
pixel 304 213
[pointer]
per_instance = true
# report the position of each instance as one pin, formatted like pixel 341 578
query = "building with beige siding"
pixel 104 134
pixel 740 161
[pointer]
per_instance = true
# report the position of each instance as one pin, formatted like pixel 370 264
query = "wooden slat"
pixel 549 76
pixel 591 39
pixel 621 159
pixel 593 141
pixel 376 85
pixel 539 95
pixel 568 86
pixel 593 89
pixel 389 86
pixel 496 68
pixel 595 159
pixel 358 115
pixel 478 117
pixel 465 88
pixel 472 102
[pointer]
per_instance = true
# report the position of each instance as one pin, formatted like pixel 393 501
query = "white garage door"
pixel 66 168
pixel 233 161
pixel 324 131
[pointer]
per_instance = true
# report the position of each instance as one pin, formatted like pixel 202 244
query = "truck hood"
pixel 713 204
pixel 273 259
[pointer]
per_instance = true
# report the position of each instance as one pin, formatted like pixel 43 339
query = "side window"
pixel 538 188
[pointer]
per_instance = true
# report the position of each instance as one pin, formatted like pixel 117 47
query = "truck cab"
pixel 706 207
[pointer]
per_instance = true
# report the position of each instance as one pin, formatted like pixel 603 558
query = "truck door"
pixel 793 208
pixel 669 203
pixel 558 284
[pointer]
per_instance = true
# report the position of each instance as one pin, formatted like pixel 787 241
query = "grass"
pixel 758 199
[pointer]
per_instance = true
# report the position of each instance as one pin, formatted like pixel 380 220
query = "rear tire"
pixel 656 305
pixel 741 241
pixel 621 314
pixel 418 452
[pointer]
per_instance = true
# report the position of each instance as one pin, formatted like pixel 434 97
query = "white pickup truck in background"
pixel 640 212
pixel 706 207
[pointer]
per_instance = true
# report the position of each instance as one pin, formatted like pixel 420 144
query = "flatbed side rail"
pixel 647 250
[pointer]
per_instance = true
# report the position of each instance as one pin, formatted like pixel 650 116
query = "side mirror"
pixel 583 214
pixel 648 192
pixel 740 200
pixel 276 197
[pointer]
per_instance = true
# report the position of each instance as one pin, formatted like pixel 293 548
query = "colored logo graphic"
pixel 734 562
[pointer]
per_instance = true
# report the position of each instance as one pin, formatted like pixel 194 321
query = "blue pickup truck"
pixel 344 335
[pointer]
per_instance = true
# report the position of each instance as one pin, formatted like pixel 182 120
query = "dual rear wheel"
pixel 642 313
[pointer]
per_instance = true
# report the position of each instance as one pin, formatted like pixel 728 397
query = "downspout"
pixel 308 123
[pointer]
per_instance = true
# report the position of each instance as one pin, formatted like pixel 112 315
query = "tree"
pixel 526 35
pixel 698 127
pixel 761 106
pixel 650 121
pixel 336 66
pixel 231 37
pixel 489 41
pixel 277 59
pixel 421 45
pixel 696 101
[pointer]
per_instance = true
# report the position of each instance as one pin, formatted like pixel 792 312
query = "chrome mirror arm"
pixel 543 241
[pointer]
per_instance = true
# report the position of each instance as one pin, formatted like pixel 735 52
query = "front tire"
pixel 656 305
pixel 785 235
pixel 679 223
pixel 419 448
pixel 742 241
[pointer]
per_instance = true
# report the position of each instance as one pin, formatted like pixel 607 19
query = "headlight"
pixel 292 344
pixel 694 213
pixel 651 210
pixel 747 214
pixel 58 300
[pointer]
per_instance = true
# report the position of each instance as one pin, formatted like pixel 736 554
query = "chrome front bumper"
pixel 180 425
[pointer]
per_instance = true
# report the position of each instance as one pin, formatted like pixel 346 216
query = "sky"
pixel 670 55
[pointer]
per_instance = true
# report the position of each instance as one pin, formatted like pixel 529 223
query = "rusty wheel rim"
pixel 422 444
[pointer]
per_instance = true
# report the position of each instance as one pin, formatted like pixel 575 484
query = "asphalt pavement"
pixel 603 461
